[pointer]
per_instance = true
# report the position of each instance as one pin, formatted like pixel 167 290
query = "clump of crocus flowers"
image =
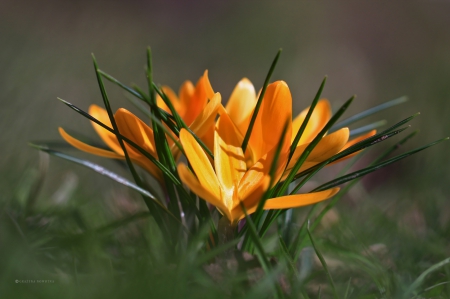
pixel 216 160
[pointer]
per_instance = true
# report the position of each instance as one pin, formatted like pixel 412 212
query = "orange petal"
pixel 88 148
pixel 228 158
pixel 200 163
pixel 319 118
pixel 136 130
pixel 276 109
pixel 241 104
pixel 109 138
pixel 299 200
pixel 185 93
pixel 172 98
pixel 206 118
pixel 202 93
pixel 251 200
pixel 352 142
pixel 326 148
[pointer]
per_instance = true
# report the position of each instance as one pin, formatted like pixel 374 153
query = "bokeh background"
pixel 378 50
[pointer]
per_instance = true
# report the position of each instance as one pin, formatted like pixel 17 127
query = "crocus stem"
pixel 226 230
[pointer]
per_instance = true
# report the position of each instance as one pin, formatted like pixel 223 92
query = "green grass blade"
pixel 324 264
pixel 308 116
pixel 368 112
pixel 367 128
pixel 311 146
pixel 259 102
pixel 367 170
pixel 97 168
pixel 419 280
pixel 117 82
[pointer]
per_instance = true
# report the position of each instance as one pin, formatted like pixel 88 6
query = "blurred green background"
pixel 378 50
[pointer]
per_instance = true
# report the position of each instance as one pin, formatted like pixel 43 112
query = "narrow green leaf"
pixel 97 168
pixel 311 146
pixel 258 103
pixel 419 280
pixel 367 128
pixel 324 264
pixel 368 112
pixel 307 117
pixel 367 170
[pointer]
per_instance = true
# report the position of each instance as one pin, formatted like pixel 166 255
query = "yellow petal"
pixel 251 201
pixel 109 138
pixel 228 158
pixel 276 109
pixel 136 130
pixel 192 182
pixel 254 182
pixel 88 148
pixel 299 200
pixel 319 118
pixel 241 104
pixel 326 148
pixel 200 163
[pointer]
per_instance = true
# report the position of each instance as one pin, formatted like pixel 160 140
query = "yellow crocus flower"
pixel 230 180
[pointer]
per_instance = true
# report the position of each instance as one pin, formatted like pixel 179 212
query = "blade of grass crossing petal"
pixel 257 216
pixel 119 138
pixel 368 128
pixel 354 148
pixel 137 147
pixel 258 103
pixel 367 170
pixel 162 147
pixel 324 264
pixel 368 112
pixel 273 168
pixel 307 117
pixel 311 146
pixel 170 124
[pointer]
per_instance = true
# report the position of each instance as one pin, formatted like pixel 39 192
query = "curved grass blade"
pixel 357 147
pixel 324 264
pixel 419 280
pixel 99 169
pixel 308 116
pixel 311 146
pixel 259 102
pixel 180 122
pixel 367 128
pixel 367 170
pixel 362 144
pixel 368 112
